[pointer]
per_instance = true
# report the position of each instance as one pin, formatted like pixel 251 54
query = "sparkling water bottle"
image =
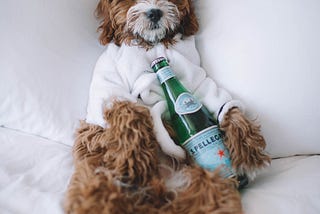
pixel 196 129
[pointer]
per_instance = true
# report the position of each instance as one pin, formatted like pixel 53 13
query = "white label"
pixel 164 74
pixel 186 103
pixel 208 150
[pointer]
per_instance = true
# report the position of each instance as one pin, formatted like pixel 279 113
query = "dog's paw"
pixel 245 143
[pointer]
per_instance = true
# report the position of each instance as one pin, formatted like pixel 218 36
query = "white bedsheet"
pixel 34 174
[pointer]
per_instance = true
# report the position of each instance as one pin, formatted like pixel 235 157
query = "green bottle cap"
pixel 158 61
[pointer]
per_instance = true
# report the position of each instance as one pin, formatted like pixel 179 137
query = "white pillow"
pixel 47 55
pixel 266 53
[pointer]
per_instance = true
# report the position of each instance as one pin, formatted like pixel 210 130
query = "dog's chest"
pixel 124 73
pixel 133 66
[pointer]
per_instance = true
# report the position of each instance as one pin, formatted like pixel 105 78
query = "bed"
pixel 264 52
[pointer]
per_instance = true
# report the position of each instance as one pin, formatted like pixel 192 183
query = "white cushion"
pixel 48 51
pixel 290 185
pixel 266 53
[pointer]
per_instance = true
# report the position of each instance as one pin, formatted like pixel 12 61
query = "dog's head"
pixel 147 22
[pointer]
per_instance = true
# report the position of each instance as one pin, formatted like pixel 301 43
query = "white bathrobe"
pixel 124 73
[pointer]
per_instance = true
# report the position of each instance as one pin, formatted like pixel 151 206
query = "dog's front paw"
pixel 131 146
pixel 245 143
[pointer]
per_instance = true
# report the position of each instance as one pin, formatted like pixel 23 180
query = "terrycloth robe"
pixel 124 73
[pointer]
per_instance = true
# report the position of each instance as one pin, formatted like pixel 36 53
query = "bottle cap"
pixel 157 60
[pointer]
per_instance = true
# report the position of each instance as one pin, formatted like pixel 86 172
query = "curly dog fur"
pixel 245 143
pixel 121 168
pixel 107 181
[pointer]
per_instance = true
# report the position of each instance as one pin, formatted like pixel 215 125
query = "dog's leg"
pixel 111 162
pixel 91 190
pixel 89 142
pixel 132 149
pixel 116 169
pixel 245 143
pixel 132 153
pixel 205 192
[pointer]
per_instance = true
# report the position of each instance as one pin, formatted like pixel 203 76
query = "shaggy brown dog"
pixel 121 168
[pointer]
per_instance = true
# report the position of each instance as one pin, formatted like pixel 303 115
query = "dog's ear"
pixel 189 23
pixel 106 28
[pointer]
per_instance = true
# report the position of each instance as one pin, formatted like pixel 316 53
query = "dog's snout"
pixel 154 14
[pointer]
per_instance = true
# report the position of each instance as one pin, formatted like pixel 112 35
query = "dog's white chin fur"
pixel 140 25
pixel 152 36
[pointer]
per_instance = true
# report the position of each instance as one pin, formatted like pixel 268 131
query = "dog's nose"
pixel 154 15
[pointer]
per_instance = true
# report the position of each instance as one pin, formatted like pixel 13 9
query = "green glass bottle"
pixel 196 129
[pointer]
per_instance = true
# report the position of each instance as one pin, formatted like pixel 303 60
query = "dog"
pixel 125 156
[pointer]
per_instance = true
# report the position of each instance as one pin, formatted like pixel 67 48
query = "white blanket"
pixel 34 174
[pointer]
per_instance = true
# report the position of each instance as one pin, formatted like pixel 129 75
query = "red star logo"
pixel 221 153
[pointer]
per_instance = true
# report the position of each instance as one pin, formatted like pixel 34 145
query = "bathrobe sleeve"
pixel 217 100
pixel 107 85
pixel 167 144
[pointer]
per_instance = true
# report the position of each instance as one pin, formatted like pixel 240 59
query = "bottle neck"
pixel 159 65
pixel 170 84
pixel 165 73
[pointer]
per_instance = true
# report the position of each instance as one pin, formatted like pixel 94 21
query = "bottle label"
pixel 164 74
pixel 209 152
pixel 186 103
